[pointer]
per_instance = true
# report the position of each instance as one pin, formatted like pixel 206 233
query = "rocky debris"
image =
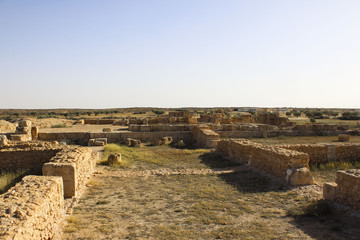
pixel 180 144
pixel 97 142
pixel 114 158
pixel 299 176
pixel 162 141
pixel 6 126
pixel 344 138
pixel 133 142
pixel 107 130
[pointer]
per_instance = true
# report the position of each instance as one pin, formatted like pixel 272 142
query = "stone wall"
pixel 204 136
pixel 346 189
pixel 32 209
pixel 288 165
pixel 29 155
pixel 74 165
pixel 321 153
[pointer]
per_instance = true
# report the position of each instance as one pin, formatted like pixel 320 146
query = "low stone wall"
pixel 160 127
pixel 99 121
pixel 74 165
pixel 288 165
pixel 79 138
pixel 204 136
pixel 346 189
pixel 32 209
pixel 29 155
pixel 321 153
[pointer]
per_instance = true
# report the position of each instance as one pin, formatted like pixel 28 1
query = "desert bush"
pixel 158 112
pixel 60 125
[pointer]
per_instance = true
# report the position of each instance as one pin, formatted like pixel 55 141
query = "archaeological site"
pixel 180 175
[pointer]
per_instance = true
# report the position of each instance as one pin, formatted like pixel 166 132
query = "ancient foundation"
pixel 288 165
pixel 33 208
pixel 346 189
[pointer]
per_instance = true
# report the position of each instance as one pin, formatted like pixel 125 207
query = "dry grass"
pixel 165 157
pixel 9 179
pixel 239 205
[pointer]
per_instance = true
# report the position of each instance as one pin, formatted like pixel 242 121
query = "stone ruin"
pixel 345 190
pixel 34 207
pixel 65 169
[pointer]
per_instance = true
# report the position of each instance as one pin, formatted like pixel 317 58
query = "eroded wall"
pixel 32 209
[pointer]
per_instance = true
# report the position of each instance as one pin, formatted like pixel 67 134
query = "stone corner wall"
pixel 288 165
pixel 204 136
pixel 74 165
pixel 32 209
pixel 346 189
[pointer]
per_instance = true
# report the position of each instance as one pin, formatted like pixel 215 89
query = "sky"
pixel 179 53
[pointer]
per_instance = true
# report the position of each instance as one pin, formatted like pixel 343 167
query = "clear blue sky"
pixel 178 53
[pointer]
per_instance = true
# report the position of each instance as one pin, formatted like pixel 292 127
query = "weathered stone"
pixel 20 137
pixel 25 123
pixel 3 140
pixel 180 144
pixel 114 158
pixel 299 176
pixel 32 209
pixel 91 142
pixel 34 132
pixel 133 142
pixel 329 191
pixel 99 143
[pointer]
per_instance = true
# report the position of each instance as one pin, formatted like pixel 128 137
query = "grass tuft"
pixel 60 125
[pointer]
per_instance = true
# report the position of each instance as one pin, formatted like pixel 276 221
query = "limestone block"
pixel 102 140
pixel 25 123
pixel 299 176
pixel 114 158
pixel 99 143
pixel 34 132
pixel 67 171
pixel 3 140
pixel 91 142
pixel 20 137
pixel 329 191
pixel 133 142
pixel 107 130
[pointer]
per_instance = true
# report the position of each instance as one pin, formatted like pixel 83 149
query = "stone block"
pixel 329 191
pixel 20 137
pixel 3 140
pixel 99 143
pixel 34 133
pixel 65 170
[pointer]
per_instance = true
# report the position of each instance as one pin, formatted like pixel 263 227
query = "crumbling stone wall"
pixel 288 165
pixel 321 153
pixel 74 165
pixel 204 136
pixel 27 155
pixel 32 209
pixel 346 189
